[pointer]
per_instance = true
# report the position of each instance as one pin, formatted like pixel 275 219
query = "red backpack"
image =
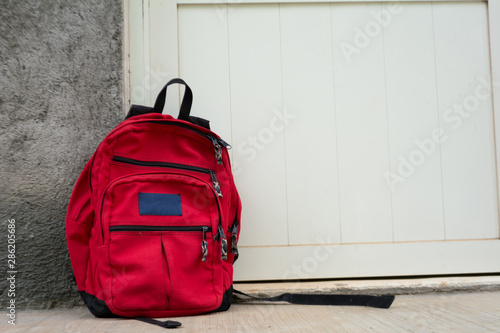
pixel 153 221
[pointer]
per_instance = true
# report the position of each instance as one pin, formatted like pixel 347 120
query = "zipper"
pixel 158 228
pixel 217 142
pixel 223 242
pixel 203 229
pixel 218 150
pixel 234 236
pixel 204 244
pixel 215 182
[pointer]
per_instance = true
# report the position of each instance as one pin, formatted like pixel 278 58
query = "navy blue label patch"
pixel 160 204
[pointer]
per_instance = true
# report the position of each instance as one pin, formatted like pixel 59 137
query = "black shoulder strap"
pixel 164 324
pixel 382 302
pixel 184 112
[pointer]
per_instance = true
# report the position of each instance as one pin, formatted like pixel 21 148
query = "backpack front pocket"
pixel 162 254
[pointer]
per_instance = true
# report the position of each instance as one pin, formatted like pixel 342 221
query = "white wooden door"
pixel 362 132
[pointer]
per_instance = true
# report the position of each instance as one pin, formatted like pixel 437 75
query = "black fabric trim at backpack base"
pixel 99 309
pixel 96 306
pixel 227 298
pixel 381 302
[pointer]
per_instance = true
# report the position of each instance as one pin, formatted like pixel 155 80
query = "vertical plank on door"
pixel 163 52
pixel 462 56
pixel 137 65
pixel 494 39
pixel 256 104
pixel 412 119
pixel 204 63
pixel 363 156
pixel 310 136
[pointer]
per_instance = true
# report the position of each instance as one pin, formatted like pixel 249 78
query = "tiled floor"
pixel 446 312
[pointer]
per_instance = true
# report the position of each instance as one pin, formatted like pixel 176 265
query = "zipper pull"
pixel 218 149
pixel 223 242
pixel 234 236
pixel 224 143
pixel 204 244
pixel 215 182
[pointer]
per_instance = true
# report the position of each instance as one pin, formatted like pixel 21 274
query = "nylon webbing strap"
pixel 382 302
pixel 164 324
pixel 186 103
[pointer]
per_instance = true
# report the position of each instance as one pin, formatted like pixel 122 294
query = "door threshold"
pixel 395 286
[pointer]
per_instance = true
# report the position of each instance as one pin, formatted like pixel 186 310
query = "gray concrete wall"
pixel 61 92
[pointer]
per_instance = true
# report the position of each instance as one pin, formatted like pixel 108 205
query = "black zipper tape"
pixel 139 228
pixel 158 164
pixel 159 228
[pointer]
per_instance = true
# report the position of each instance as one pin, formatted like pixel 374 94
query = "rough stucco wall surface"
pixel 61 92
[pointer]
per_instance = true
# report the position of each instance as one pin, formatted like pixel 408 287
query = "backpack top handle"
pixel 184 112
pixel 187 100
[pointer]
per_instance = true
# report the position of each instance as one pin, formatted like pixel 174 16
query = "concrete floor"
pixel 444 312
